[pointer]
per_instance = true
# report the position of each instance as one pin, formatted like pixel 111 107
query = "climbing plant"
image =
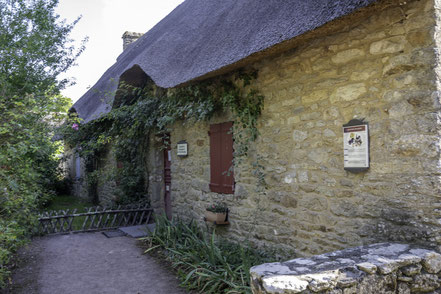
pixel 151 109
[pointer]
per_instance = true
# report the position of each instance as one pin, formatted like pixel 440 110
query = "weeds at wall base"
pixel 203 262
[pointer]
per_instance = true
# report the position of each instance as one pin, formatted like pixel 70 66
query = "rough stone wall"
pixel 380 68
pixel 107 172
pixel 155 163
pixel 373 269
pixel 79 188
pixel 191 175
pixel 106 185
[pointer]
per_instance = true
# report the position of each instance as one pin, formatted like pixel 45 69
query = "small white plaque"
pixel 356 146
pixel 182 149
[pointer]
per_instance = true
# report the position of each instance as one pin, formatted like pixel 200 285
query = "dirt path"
pixel 90 263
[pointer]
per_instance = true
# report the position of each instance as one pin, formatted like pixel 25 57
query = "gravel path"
pixel 90 263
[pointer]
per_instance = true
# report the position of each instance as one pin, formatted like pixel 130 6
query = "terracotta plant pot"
pixel 216 217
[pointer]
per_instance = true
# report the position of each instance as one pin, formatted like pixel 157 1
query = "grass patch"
pixel 205 263
pixel 64 202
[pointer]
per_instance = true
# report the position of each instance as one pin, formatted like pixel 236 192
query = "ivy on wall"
pixel 143 110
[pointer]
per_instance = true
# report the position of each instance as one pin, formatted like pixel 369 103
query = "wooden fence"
pixel 94 219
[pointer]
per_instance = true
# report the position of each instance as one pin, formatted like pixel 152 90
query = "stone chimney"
pixel 130 37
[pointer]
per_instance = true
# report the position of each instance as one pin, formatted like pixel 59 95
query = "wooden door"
pixel 167 176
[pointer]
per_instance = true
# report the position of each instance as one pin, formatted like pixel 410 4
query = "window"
pixel 221 158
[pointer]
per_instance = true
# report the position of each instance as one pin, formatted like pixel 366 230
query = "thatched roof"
pixel 202 36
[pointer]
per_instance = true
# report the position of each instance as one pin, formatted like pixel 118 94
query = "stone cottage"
pixel 320 64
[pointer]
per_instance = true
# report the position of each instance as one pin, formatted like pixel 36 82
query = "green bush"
pixel 20 195
pixel 11 237
pixel 204 262
pixel 35 48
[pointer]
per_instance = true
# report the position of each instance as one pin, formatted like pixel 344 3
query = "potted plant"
pixel 217 213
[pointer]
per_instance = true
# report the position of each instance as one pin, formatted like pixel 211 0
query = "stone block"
pixel 363 75
pixel 314 203
pixel 389 45
pixel 411 270
pixel 400 109
pixel 405 279
pixel 298 110
pixel 291 284
pixel 425 283
pixel 419 38
pixel 403 288
pixel 318 156
pixel 347 55
pixel 344 208
pixel 240 191
pixel 299 136
pixel 311 116
pixel 346 182
pixel 416 145
pixel 328 133
pixel 419 22
pixel 392 265
pixel 293 120
pixel 352 290
pixel 367 267
pixel 308 187
pixel 315 96
pixel 290 102
pixel 288 201
pixel 432 262
pixel 348 93
pixel 303 177
pixel 331 113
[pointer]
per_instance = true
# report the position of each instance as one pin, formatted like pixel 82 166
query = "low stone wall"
pixel 377 268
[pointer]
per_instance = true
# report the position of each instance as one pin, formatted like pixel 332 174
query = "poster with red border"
pixel 356 146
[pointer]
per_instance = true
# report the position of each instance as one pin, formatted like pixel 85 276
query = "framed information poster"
pixel 356 146
pixel 182 148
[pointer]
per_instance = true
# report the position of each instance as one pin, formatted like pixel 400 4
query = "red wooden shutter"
pixel 221 158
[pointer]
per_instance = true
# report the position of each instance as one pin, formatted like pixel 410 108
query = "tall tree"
pixel 34 49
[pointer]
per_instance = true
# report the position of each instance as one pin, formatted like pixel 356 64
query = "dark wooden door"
pixel 167 176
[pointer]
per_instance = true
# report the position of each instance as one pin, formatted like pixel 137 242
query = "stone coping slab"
pixel 399 263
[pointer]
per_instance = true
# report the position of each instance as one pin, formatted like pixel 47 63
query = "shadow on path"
pixel 90 263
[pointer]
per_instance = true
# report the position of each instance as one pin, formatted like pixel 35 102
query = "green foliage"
pixel 64 202
pixel 34 50
pixel 12 236
pixel 61 202
pixel 138 112
pixel 203 262
pixel 34 46
pixel 217 207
